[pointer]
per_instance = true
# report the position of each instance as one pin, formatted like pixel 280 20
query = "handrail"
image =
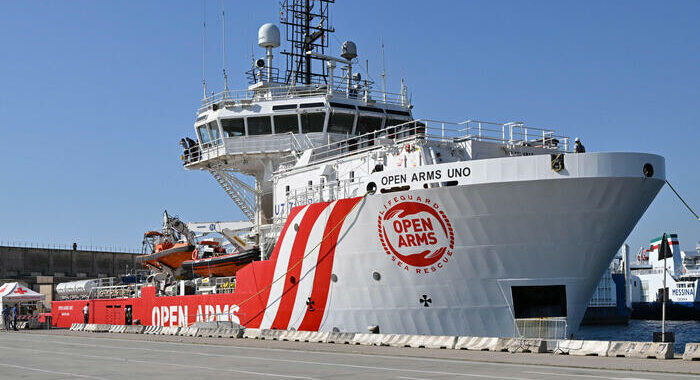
pixel 277 92
pixel 511 134
pixel 516 136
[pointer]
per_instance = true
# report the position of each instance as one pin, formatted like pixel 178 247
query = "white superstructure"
pixel 470 228
pixel 682 281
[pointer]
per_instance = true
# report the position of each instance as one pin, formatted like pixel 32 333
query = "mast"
pixel 307 28
pixel 307 34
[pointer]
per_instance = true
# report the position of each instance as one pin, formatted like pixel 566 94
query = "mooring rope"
pixel 682 200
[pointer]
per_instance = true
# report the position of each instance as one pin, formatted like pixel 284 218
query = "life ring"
pixel 195 254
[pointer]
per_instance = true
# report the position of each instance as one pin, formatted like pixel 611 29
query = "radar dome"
pixel 269 36
pixel 348 50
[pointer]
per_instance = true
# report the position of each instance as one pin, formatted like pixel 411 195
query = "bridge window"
pixel 203 133
pixel 214 132
pixel 312 122
pixel 366 124
pixel 341 122
pixel 391 122
pixel 286 123
pixel 259 125
pixel 233 127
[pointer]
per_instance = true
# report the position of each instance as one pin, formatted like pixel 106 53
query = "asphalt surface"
pixel 61 354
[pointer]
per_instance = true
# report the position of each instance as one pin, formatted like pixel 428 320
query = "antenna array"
pixel 307 27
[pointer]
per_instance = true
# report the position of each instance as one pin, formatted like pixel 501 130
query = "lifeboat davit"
pixel 209 260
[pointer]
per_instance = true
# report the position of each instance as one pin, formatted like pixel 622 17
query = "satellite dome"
pixel 348 50
pixel 269 36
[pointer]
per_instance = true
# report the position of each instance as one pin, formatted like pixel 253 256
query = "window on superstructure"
pixel 214 132
pixel 352 176
pixel 390 122
pixel 341 122
pixel 286 190
pixel 261 125
pixel 367 124
pixel 311 185
pixel 203 133
pixel 394 132
pixel 233 127
pixel 286 123
pixel 312 122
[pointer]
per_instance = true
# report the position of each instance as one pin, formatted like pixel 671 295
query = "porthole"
pixel 648 170
pixel 371 187
pixel 296 226
pixel 334 278
pixel 376 276
pixel 293 280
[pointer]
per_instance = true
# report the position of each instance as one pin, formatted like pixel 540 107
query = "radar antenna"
pixel 307 26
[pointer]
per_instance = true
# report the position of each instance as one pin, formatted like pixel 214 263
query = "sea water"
pixel 637 330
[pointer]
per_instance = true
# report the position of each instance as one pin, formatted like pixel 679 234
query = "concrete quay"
pixel 54 354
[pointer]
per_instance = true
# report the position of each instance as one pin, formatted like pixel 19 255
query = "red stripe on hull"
pixel 286 306
pixel 263 278
pixel 324 265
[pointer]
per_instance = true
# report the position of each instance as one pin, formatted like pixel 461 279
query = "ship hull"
pixel 338 266
pixel 675 311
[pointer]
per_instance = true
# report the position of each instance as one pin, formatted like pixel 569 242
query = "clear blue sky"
pixel 95 95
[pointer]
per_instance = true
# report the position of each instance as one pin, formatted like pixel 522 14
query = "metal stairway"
pixel 241 193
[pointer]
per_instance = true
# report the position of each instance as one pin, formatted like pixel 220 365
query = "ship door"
pixel 128 314
pixel 540 311
pixel 115 315
pixel 110 314
pixel 118 316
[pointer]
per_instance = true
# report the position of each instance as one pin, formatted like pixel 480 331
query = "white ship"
pixel 682 281
pixel 367 216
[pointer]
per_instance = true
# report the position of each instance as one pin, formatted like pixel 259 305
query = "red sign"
pixel 20 291
pixel 416 233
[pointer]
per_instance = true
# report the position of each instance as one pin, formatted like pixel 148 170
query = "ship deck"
pixel 50 354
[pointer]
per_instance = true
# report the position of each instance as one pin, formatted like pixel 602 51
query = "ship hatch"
pixel 539 301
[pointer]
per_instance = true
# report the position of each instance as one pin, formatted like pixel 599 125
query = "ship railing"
pixel 320 192
pixel 515 136
pixel 281 92
pixel 542 328
pixel 115 291
pixel 284 142
pixel 692 273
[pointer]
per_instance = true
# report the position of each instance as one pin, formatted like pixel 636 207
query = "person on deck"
pixel 193 149
pixel 578 147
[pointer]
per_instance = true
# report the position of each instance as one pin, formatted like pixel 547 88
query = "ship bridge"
pixel 248 133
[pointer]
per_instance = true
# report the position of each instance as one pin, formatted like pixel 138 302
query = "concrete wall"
pixel 42 268
pixel 21 262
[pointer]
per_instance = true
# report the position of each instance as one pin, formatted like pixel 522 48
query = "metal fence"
pixel 543 328
pixel 79 247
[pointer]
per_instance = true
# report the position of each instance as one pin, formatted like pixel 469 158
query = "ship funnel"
pixel 269 36
pixel 348 50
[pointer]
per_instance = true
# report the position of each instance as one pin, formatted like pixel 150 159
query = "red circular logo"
pixel 416 233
